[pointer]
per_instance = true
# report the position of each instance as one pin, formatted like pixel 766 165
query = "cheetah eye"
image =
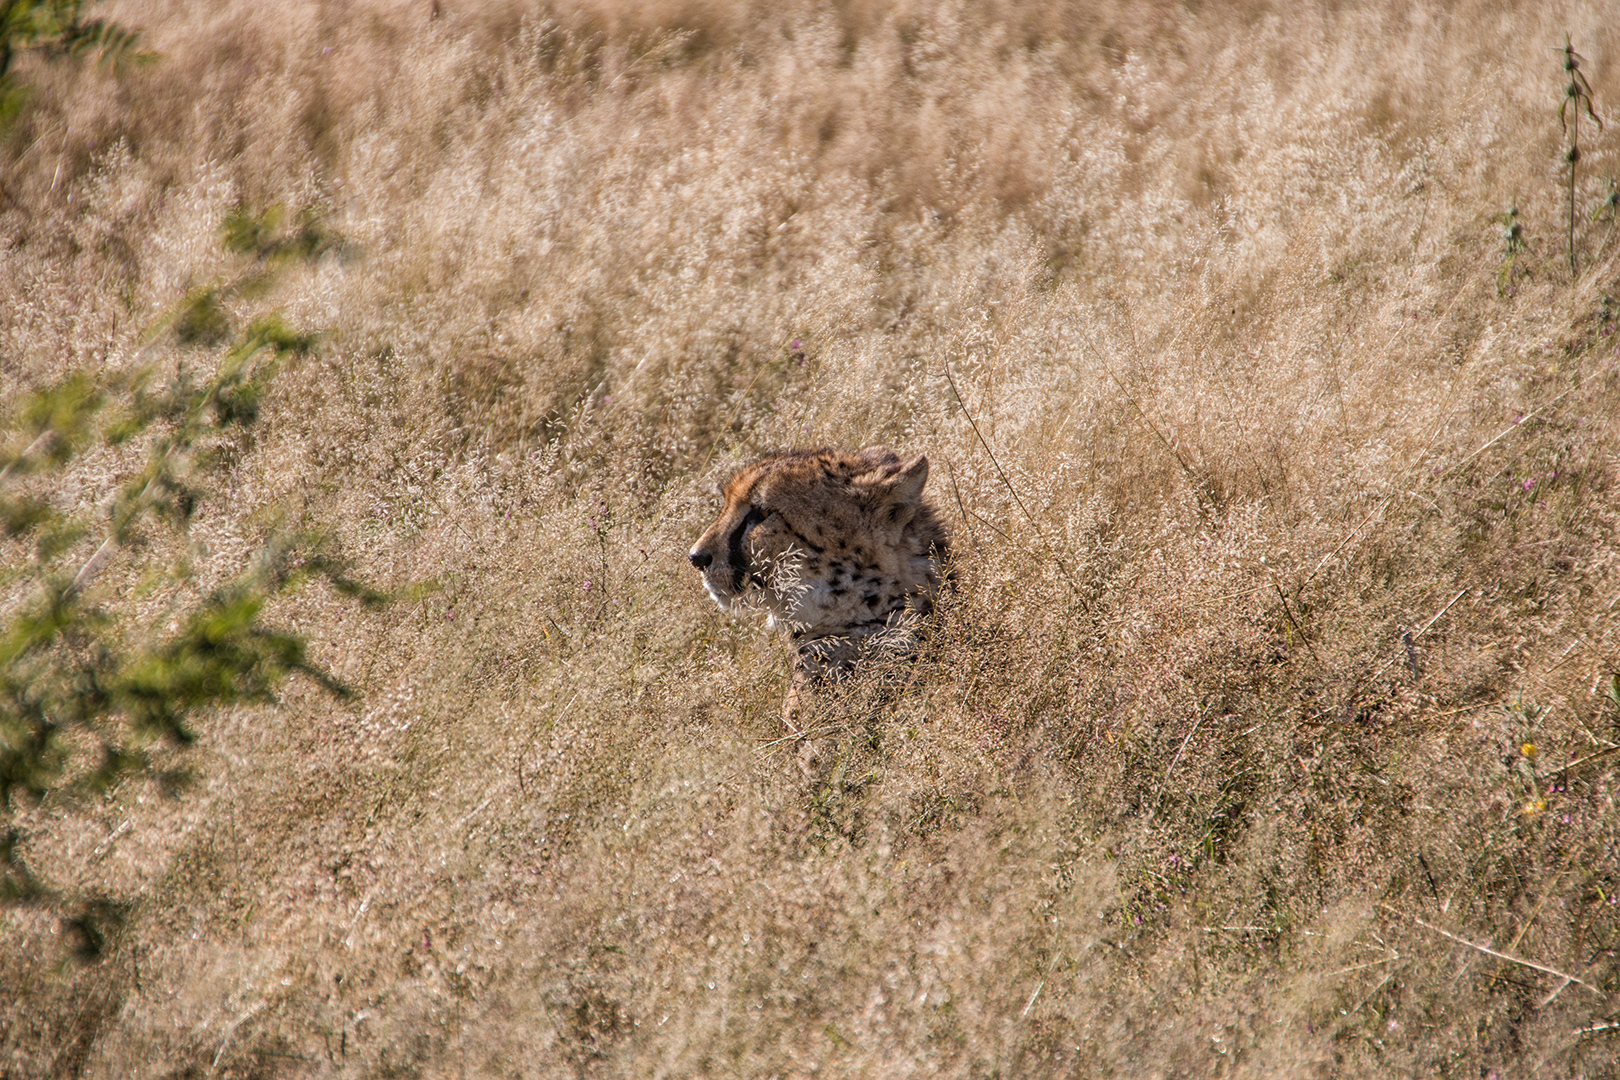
pixel 747 525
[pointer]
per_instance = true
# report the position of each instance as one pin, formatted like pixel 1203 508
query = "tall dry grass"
pixel 1285 524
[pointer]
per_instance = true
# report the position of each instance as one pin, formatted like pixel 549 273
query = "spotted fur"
pixel 838 548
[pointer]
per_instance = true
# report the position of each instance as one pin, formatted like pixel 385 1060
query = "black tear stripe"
pixel 734 551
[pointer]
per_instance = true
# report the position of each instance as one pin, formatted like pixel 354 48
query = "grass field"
pixel 1267 731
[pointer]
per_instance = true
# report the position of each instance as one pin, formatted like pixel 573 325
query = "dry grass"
pixel 1292 657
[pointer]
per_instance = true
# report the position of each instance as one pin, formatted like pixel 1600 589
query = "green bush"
pixel 87 686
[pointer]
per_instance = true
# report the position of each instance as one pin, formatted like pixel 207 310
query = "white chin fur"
pixel 716 595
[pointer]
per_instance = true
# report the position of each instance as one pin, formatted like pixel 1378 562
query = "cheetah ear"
pixel 879 457
pixel 900 481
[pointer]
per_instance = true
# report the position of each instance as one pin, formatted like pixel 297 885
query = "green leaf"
pixel 59 534
pixel 13 99
pixel 36 628
pixel 202 321
pixel 247 233
pixel 53 424
pixel 21 516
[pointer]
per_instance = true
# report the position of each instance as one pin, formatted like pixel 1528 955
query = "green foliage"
pixel 89 688
pixel 201 318
pixel 57 424
pixel 263 235
pixel 113 45
pixel 57 29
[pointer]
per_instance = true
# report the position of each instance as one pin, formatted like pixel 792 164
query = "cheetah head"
pixel 826 541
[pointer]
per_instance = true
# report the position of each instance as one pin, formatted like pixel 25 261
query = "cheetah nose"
pixel 701 560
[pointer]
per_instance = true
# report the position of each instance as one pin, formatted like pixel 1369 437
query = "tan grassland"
pixel 1273 692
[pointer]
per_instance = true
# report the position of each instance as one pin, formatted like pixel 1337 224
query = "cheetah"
pixel 838 548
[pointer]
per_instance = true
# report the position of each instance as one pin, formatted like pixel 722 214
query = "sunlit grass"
pixel 1282 502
